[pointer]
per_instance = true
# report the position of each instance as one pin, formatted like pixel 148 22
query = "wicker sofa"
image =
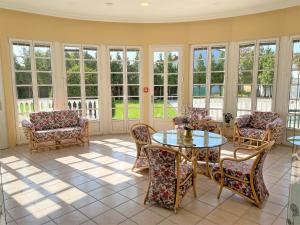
pixel 48 129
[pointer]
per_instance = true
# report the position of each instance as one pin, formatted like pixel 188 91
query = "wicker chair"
pixel 192 114
pixel 171 174
pixel 141 133
pixel 244 176
pixel 254 129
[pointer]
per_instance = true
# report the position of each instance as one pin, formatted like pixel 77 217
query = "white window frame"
pixel 125 83
pixel 82 78
pixel 208 72
pixel 35 96
pixel 165 48
pixel 255 71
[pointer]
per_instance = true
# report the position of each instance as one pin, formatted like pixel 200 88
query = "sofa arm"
pixel 28 125
pixel 180 120
pixel 242 121
pixel 83 122
pixel 274 124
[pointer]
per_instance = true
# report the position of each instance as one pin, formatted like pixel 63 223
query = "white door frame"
pixel 3 122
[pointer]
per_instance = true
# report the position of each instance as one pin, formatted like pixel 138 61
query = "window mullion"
pixel 82 82
pixel 34 79
pixel 255 76
pixel 208 78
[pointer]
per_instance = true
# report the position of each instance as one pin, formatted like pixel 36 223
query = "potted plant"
pixel 227 118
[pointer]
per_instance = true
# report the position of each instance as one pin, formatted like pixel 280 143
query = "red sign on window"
pixel 146 89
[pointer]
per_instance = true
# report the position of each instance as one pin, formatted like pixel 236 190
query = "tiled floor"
pixel 95 185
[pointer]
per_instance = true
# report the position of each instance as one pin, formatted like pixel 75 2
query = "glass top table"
pixel 200 139
pixel 295 140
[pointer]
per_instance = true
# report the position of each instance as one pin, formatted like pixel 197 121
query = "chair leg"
pixel 194 190
pixel 220 191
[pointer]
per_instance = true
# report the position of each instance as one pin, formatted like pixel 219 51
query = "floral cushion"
pixel 185 170
pixel 142 134
pixel 141 159
pixel 252 133
pixel 243 121
pixel 42 120
pixel 240 170
pixel 213 155
pixel 44 135
pixel 260 120
pixel 66 118
pixel 68 133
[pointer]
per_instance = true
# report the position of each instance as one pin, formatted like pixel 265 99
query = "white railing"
pixel 25 106
pixel 91 106
pixel 46 104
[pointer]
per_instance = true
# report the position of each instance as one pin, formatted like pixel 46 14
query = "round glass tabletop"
pixel 200 139
pixel 295 140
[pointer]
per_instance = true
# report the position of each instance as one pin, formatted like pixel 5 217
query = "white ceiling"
pixel 158 10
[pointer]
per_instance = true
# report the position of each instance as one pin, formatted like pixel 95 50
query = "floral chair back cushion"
pixel 142 134
pixel 42 120
pixel 66 118
pixel 259 120
pixel 197 113
pixel 162 177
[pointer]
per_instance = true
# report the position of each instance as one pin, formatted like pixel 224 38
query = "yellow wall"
pixel 15 24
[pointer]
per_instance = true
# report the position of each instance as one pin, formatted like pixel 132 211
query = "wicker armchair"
pixel 244 176
pixel 257 128
pixel 141 133
pixel 193 115
pixel 171 174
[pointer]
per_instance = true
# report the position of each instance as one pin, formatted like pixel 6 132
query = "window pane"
pixel 246 64
pixel 133 102
pixel 45 92
pixel 264 104
pixel 159 56
pixel 218 52
pixel 172 106
pixel 217 78
pixel 173 67
pixel 200 66
pixel 245 78
pixel 22 63
pixel 133 113
pixel 90 66
pixel 158 91
pixel 173 79
pixel 199 90
pixel 158 109
pixel 133 90
pixel 90 53
pixel 133 78
pixel 264 91
pixel 173 56
pixel 244 103
pixel 24 92
pixel 117 108
pixel 172 90
pixel 266 62
pixel 133 54
pixel 21 49
pixel 199 102
pixel 158 68
pixel 216 114
pixel 91 91
pixel 199 78
pixel 267 49
pixel 116 66
pixel 72 66
pixel 216 90
pixel 117 90
pixel 71 52
pixel 42 51
pixel 43 64
pixel 200 53
pixel 132 66
pixel 294 92
pixel 73 78
pixel 74 91
pixel 158 79
pixel 265 77
pixel 116 54
pixel 92 107
pixel 44 78
pixel 244 90
pixel 216 103
pixel 217 64
pixel 296 62
pixel 116 78
pixel 23 78
pixel 46 104
pixel 247 51
pixel 91 78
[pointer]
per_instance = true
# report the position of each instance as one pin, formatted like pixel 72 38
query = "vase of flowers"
pixel 227 118
pixel 187 133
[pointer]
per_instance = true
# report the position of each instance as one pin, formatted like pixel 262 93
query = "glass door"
pixel 166 82
pixel 125 70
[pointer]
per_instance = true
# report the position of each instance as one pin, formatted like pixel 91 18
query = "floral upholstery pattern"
pixel 259 125
pixel 163 177
pixel 142 134
pixel 213 155
pixel 42 120
pixel 252 133
pixel 193 116
pixel 55 126
pixel 66 118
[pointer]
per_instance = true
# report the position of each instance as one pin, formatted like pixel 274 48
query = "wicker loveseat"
pixel 48 129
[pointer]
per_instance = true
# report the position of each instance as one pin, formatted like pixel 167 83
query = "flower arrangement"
pixel 187 125
pixel 227 117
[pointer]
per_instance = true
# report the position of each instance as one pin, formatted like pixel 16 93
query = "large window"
pixel 81 65
pixel 32 68
pixel 257 69
pixel 165 83
pixel 125 83
pixel 209 68
pixel 294 102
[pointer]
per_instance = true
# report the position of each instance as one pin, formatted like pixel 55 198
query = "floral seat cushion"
pixel 252 133
pixel 44 135
pixel 213 155
pixel 68 133
pixel 240 170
